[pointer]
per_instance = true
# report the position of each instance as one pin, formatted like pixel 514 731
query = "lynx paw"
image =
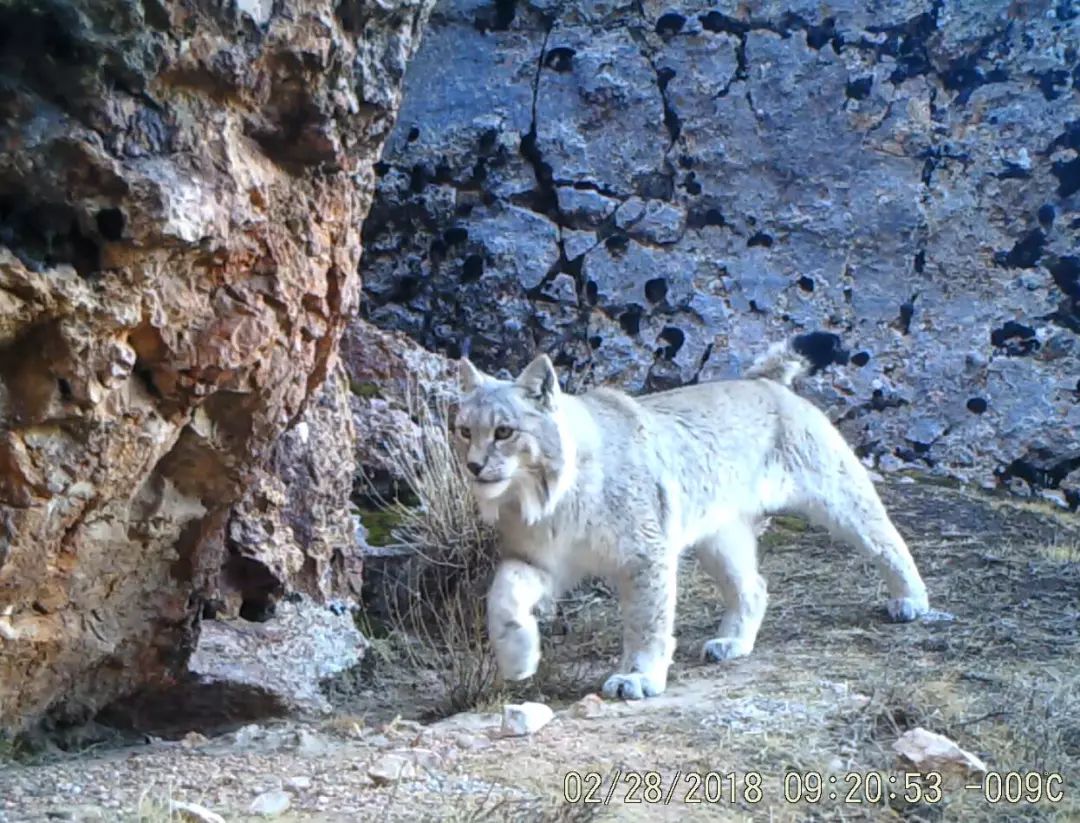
pixel 725 648
pixel 906 609
pixel 518 669
pixel 633 686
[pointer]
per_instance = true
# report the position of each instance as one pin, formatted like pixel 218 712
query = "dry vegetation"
pixel 435 607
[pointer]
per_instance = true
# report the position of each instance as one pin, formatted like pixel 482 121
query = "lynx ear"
pixel 540 381
pixel 469 377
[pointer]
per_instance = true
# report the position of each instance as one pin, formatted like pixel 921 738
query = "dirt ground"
pixel 827 691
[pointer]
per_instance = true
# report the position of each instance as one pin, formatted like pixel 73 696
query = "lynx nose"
pixel 475 468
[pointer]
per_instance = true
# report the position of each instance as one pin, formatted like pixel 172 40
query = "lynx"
pixel 609 485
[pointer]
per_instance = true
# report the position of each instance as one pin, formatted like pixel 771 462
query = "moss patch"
pixel 365 388
pixel 788 523
pixel 380 525
pixel 928 479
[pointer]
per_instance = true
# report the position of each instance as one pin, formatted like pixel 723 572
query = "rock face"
pixel 293 527
pixel 181 189
pixel 286 657
pixel 652 192
pixel 386 372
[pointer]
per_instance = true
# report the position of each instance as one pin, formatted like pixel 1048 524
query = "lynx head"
pixel 510 437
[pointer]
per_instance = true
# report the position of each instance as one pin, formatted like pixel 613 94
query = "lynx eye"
pixel 503 432
pixel 465 432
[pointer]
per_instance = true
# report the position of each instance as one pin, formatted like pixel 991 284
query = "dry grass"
pixel 1064 551
pixel 436 620
pixel 12 751
pixel 156 806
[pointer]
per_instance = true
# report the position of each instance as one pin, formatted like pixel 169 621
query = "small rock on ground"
pixel 192 740
pixel 930 751
pixel 82 814
pixel 390 768
pixel 590 706
pixel 525 718
pixel 193 812
pixel 271 804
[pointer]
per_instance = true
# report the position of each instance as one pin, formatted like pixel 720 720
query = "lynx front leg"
pixel 515 592
pixel 730 558
pixel 647 606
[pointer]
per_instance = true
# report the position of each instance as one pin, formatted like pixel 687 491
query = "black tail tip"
pixel 821 349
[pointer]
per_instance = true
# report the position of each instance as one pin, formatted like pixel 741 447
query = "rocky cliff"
pixel 181 190
pixel 652 191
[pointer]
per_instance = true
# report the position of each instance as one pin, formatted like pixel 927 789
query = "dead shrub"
pixel 437 606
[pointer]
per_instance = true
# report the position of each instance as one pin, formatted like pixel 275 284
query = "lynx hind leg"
pixel 730 558
pixel 839 495
pixel 516 591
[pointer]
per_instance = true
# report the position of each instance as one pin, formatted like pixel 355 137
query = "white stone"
pixel 391 768
pixel 303 431
pixel 271 804
pixel 193 739
pixel 471 742
pixel 525 718
pixel 467 722
pixel 246 735
pixel 257 10
pixel 424 758
pixel 930 751
pixel 310 745
pixel 183 810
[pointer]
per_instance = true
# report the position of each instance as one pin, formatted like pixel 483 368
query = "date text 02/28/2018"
pixel 652 787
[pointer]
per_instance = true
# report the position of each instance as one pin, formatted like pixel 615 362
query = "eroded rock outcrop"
pixel 653 191
pixel 181 190
pixel 388 373
pixel 293 529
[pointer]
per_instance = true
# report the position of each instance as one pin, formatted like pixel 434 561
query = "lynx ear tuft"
pixel 469 377
pixel 540 381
